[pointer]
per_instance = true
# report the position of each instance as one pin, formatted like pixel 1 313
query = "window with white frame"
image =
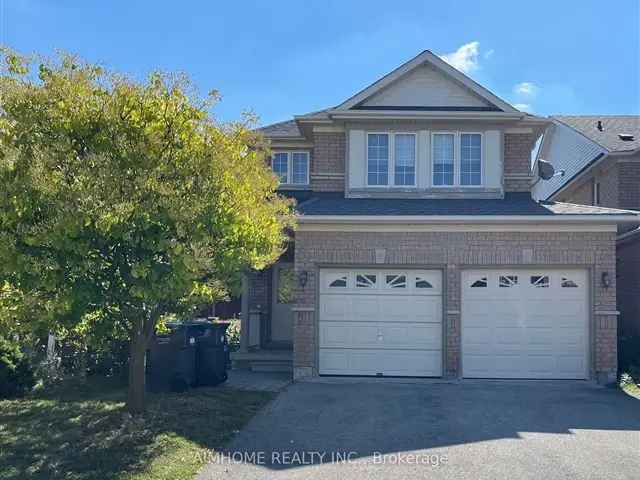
pixel 457 159
pixel 292 168
pixel 377 158
pixel 391 159
pixel 470 159
pixel 443 158
pixel 405 159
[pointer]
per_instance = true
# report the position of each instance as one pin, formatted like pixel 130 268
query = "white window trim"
pixel 457 159
pixel 391 155
pixel 289 154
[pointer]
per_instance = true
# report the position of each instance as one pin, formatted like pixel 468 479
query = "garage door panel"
pixel 391 326
pixel 374 362
pixel 516 328
pixel 343 334
pixel 364 308
pixel 428 309
pixel 335 307
pixel 421 336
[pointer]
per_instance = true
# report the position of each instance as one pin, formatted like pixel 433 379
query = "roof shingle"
pixel 612 127
pixel 511 204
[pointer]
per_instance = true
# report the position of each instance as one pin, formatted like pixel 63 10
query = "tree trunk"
pixel 137 350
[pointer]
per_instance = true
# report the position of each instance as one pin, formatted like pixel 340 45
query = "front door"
pixel 283 298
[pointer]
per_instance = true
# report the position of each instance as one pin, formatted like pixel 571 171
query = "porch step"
pixel 263 360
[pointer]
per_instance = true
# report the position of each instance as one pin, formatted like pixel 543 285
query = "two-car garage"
pixel 514 323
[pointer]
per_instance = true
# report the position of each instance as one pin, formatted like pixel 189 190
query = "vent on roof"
pixel 626 137
pixel 599 125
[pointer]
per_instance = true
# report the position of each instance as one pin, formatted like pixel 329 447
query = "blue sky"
pixel 281 58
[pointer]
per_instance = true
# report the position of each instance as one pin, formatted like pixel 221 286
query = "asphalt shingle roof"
pixel 512 204
pixel 613 125
pixel 288 128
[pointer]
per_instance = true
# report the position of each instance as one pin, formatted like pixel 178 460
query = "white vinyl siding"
pixel 292 168
pixel 567 149
pixel 425 87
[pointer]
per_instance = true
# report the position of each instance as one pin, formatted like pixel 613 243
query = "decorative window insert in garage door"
pixel 525 323
pixel 380 322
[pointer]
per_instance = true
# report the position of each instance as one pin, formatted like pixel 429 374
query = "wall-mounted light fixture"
pixel 303 277
pixel 604 280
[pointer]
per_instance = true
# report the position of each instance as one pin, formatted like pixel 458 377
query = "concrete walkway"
pixel 265 381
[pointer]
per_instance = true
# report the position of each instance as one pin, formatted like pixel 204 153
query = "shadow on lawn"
pixel 85 433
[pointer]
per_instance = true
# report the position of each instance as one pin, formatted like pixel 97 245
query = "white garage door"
pixel 525 324
pixel 380 322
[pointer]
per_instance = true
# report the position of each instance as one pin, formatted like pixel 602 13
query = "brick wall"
pixel 629 185
pixel 517 161
pixel 455 251
pixel 328 158
pixel 582 195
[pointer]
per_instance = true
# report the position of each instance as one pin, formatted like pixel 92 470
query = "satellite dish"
pixel 546 170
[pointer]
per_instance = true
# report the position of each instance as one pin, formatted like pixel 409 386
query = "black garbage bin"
pixel 171 362
pixel 212 354
pixel 192 353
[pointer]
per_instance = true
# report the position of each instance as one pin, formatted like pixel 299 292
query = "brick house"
pixel 419 250
pixel 600 155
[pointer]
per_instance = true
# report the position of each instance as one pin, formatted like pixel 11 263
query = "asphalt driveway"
pixel 474 430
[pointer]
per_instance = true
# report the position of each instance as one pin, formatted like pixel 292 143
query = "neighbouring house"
pixel 419 250
pixel 600 155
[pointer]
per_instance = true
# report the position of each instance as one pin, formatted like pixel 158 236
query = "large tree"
pixel 123 201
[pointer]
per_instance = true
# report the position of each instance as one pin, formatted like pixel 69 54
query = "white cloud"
pixel 523 107
pixel 526 89
pixel 464 58
pixel 489 53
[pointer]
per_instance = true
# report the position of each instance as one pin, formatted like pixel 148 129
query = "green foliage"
pixel 233 333
pixel 16 373
pixel 122 201
pixel 125 200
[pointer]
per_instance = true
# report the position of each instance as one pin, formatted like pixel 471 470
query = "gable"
pixel 430 82
pixel 425 86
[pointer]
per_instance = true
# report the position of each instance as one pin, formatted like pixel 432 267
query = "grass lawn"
pixel 632 389
pixel 83 432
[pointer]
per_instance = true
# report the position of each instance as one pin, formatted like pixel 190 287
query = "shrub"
pixel 16 372
pixel 233 334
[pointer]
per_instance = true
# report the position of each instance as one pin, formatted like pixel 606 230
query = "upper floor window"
pixel 377 158
pixel 405 159
pixel 470 159
pixel 443 158
pixel 292 168
pixel 391 152
pixel 457 159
